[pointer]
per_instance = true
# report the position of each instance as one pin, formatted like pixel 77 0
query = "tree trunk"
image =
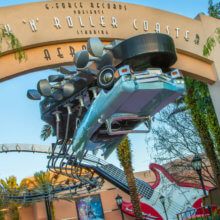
pixel 202 128
pixel 133 192
pixel 214 127
pixel 48 208
pixel 13 213
pixel 124 156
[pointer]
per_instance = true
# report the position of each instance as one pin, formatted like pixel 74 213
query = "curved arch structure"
pixel 74 188
pixel 50 192
pixel 88 175
pixel 54 31
pixel 33 148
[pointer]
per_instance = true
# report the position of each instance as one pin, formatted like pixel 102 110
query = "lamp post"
pixel 119 202
pixel 162 200
pixel 197 166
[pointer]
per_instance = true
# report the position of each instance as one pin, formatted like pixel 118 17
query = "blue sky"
pixel 20 118
pixel 189 8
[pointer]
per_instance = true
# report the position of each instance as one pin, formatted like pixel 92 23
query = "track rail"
pixel 88 175
pixel 92 170
pixel 32 148
pixel 74 188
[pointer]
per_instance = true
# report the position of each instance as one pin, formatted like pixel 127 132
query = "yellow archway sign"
pixel 51 32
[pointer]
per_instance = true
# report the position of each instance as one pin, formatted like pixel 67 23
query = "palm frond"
pixel 23 183
pixel 46 132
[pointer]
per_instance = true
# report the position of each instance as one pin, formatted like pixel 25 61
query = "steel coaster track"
pixel 65 162
pixel 88 174
pixel 92 170
pixel 49 192
pixel 30 148
pixel 78 186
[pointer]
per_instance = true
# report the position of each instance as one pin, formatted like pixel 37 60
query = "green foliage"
pixel 1 213
pixel 11 187
pixel 204 108
pixel 214 9
pixel 13 43
pixel 10 184
pixel 213 126
pixel 41 179
pixel 46 132
pixel 52 210
pixel 217 31
pixel 209 46
pixel 124 152
pixel 124 156
pixel 200 93
pixel 199 102
pixel 211 42
pixel 198 96
pixel 15 214
pixel 204 105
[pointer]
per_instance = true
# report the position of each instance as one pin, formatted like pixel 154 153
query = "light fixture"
pixel 197 166
pixel 119 200
pixel 197 163
pixel 162 199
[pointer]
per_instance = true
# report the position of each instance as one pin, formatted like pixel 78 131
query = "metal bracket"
pixel 127 116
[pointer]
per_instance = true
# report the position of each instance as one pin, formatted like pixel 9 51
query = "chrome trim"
pixel 126 116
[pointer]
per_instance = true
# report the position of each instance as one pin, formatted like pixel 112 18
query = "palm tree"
pixel 45 181
pixel 46 132
pixel 198 101
pixel 10 187
pixel 124 155
pixel 201 126
pixel 1 213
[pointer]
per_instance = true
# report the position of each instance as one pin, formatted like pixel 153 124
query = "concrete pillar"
pixel 209 25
